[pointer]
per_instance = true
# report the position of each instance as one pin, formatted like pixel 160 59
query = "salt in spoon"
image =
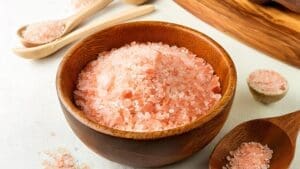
pixel 279 133
pixel 65 25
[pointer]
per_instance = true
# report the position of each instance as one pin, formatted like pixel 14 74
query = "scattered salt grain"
pixel 61 159
pixel 251 155
pixel 147 87
pixel 43 32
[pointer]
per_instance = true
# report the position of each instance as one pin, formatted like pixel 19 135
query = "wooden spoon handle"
pixel 85 13
pixel 102 24
pixel 289 123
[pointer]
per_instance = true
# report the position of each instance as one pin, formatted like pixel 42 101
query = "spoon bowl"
pixel 278 133
pixel 26 43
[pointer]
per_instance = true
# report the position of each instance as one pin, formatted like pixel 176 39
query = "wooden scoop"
pixel 293 5
pixel 69 23
pixel 279 133
pixel 49 48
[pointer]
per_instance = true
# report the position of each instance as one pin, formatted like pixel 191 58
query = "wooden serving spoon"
pixel 49 48
pixel 69 23
pixel 279 133
pixel 293 5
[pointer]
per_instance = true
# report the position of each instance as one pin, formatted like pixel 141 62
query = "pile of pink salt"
pixel 268 82
pixel 62 159
pixel 250 155
pixel 43 32
pixel 147 87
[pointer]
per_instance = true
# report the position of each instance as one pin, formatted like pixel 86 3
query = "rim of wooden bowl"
pixel 214 111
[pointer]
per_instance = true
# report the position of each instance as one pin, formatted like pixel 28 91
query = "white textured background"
pixel 30 117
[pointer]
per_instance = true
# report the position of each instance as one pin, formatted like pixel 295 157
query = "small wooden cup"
pixel 146 149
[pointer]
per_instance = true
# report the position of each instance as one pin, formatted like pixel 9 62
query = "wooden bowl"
pixel 146 149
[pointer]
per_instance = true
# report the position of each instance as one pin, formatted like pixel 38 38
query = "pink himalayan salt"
pixel 81 4
pixel 147 87
pixel 268 82
pixel 62 159
pixel 250 155
pixel 44 32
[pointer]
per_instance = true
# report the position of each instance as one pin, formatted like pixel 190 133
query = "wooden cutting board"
pixel 271 29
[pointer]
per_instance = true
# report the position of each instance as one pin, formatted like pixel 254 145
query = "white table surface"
pixel 31 120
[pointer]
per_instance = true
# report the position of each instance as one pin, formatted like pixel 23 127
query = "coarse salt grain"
pixel 61 159
pixel 147 87
pixel 43 32
pixel 251 155
pixel 268 82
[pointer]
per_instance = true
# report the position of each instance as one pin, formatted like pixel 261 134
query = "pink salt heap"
pixel 250 155
pixel 61 159
pixel 43 32
pixel 268 82
pixel 81 4
pixel 147 87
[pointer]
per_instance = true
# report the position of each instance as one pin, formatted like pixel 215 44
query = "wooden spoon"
pixel 293 5
pixel 69 23
pixel 49 48
pixel 279 133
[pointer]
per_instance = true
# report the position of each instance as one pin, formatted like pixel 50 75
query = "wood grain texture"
pixel 271 29
pixel 293 5
pixel 146 149
pixel 278 133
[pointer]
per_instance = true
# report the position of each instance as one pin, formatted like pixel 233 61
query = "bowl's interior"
pixel 117 36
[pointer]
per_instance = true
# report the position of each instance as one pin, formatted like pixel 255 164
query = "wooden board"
pixel 271 29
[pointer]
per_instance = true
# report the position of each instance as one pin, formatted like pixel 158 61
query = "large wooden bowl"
pixel 146 149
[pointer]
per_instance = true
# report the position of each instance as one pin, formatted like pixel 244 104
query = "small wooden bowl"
pixel 146 149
